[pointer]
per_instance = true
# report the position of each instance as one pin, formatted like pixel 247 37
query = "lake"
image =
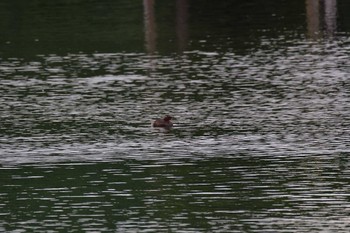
pixel 260 95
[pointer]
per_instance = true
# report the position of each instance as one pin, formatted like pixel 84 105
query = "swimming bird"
pixel 164 123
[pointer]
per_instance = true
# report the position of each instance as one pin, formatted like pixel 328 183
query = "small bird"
pixel 164 123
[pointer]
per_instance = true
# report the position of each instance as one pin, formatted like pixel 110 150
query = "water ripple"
pixel 259 143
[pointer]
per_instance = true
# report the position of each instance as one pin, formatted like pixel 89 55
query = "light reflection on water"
pixel 260 141
pixel 290 99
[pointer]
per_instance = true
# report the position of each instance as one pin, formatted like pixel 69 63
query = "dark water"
pixel 260 94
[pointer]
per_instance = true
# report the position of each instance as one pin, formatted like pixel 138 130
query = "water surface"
pixel 260 142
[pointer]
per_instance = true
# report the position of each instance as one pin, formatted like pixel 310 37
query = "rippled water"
pixel 259 144
pixel 292 99
pixel 260 141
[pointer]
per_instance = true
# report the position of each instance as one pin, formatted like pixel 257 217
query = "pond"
pixel 260 96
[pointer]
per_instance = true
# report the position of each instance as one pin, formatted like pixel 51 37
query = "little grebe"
pixel 165 122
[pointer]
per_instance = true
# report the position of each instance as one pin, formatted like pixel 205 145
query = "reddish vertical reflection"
pixel 321 16
pixel 313 18
pixel 330 11
pixel 150 26
pixel 182 24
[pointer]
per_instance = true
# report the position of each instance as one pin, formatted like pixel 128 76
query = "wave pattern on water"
pixel 241 193
pixel 260 141
pixel 293 99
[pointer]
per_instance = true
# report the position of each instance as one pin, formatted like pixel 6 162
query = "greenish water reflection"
pixel 259 90
pixel 196 195
pixel 61 27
